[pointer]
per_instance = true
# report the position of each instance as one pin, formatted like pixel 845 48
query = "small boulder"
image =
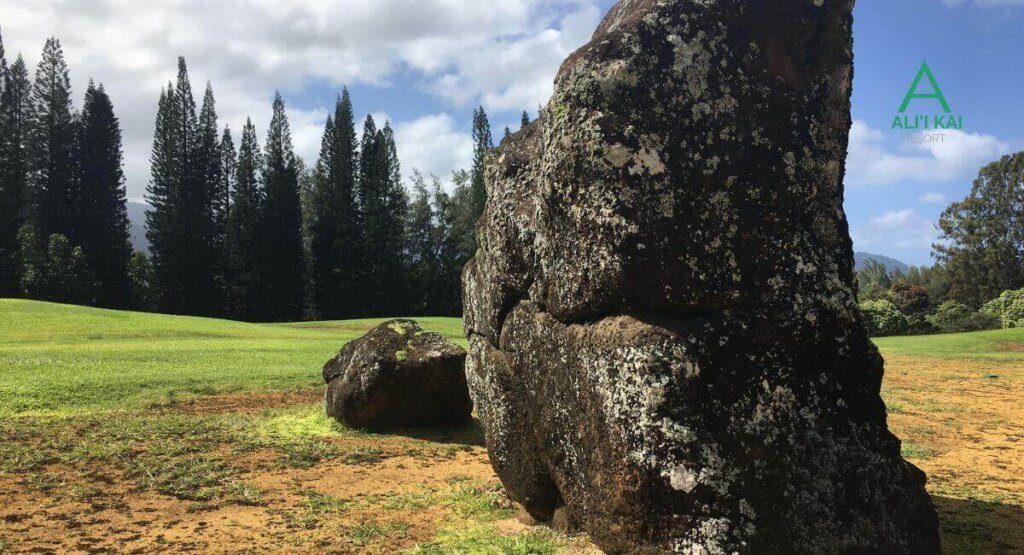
pixel 398 376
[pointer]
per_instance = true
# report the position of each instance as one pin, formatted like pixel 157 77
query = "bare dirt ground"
pixel 256 473
pixel 962 422
pixel 167 484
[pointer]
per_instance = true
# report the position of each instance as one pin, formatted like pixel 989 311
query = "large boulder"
pixel 398 376
pixel 665 348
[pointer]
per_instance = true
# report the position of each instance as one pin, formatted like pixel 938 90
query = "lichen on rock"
pixel 665 349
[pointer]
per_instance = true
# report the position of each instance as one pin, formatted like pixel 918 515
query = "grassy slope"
pixel 57 359
pixel 996 345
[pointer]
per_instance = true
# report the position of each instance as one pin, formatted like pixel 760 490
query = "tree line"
pixel 247 232
pixel 978 277
pixel 63 221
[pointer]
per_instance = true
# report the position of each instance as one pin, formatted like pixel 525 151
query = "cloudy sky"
pixel 424 64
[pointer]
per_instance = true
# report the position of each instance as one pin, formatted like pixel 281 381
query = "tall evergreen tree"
pixel 228 167
pixel 335 230
pixel 525 120
pixel 243 277
pixel 321 231
pixel 103 216
pixel 394 203
pixel 482 144
pixel 185 176
pixel 53 183
pixel 208 204
pixel 3 62
pixel 369 194
pixel 382 208
pixel 164 222
pixel 15 110
pixel 283 246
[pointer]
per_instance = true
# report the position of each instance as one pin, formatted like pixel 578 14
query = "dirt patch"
pixel 244 402
pixel 376 507
pixel 1010 347
pixel 962 422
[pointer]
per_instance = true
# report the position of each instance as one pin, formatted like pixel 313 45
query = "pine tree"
pixel 508 132
pixel 3 63
pixel 197 286
pixel 335 228
pixel 15 110
pixel 283 246
pixel 228 167
pixel 208 204
pixel 368 195
pixel 382 208
pixel 323 262
pixel 395 204
pixel 243 276
pixel 185 177
pixel 163 221
pixel 103 216
pixel 525 120
pixel 53 184
pixel 482 144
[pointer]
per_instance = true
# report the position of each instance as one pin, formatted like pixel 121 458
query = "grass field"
pixel 138 432
pixel 104 359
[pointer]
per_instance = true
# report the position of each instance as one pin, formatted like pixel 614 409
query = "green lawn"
pixel 996 344
pixel 58 359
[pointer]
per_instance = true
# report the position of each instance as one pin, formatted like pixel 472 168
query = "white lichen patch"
pixel 647 160
pixel 681 478
pixel 618 155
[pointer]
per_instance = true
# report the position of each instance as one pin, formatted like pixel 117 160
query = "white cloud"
pixel 957 157
pixel 434 146
pixel 501 53
pixel 932 198
pixel 896 229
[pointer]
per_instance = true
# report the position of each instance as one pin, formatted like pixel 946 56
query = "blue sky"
pixel 896 190
pixel 425 64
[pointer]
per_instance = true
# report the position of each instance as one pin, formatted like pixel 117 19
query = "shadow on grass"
pixel 469 434
pixel 970 526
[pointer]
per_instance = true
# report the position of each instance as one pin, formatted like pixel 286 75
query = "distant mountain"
pixel 137 218
pixel 891 264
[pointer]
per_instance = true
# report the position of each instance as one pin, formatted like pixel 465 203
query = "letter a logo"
pixel 936 93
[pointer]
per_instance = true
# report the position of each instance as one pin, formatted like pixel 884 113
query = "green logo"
pixel 925 71
pixel 923 121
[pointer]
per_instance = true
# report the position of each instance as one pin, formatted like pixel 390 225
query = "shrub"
pixel 953 317
pixel 1008 308
pixel 882 318
pixel 912 300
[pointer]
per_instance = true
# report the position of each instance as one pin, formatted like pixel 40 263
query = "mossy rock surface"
pixel 665 347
